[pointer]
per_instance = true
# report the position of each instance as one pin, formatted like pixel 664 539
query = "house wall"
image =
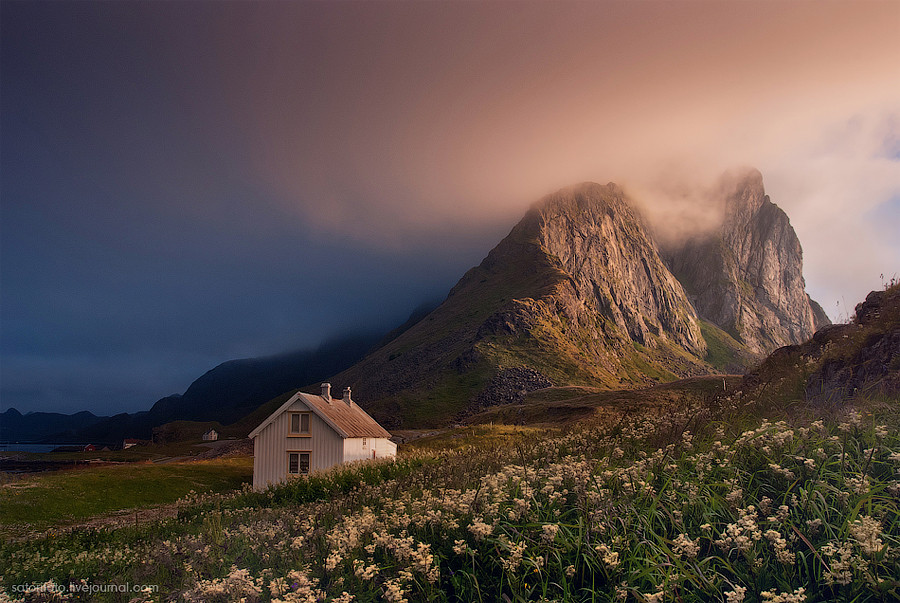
pixel 354 450
pixel 272 444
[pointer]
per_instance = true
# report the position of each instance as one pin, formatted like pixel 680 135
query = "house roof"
pixel 348 420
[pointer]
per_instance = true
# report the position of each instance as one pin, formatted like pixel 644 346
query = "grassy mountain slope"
pixel 429 371
pixel 626 324
pixel 861 358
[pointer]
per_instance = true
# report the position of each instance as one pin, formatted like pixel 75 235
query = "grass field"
pixel 58 498
pixel 673 505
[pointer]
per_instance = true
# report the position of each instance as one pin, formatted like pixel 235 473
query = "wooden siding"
pixel 385 448
pixel 271 445
pixel 355 450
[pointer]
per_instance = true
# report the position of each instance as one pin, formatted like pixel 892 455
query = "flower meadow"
pixel 655 508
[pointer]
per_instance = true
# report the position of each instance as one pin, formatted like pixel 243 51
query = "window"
pixel 298 463
pixel 364 442
pixel 300 423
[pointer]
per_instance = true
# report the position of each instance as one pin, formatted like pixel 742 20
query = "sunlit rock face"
pixel 613 268
pixel 581 293
pixel 747 275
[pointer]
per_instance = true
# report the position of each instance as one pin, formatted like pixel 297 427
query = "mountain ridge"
pixel 746 276
pixel 579 293
pixel 226 393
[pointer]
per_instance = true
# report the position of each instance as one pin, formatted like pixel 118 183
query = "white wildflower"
pixel 550 531
pixel 736 595
pixel 610 558
pixel 798 596
pixel 685 547
pixel 480 529
pixel 866 531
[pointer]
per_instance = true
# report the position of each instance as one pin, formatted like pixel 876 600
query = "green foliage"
pixel 676 506
pixel 723 351
pixel 60 497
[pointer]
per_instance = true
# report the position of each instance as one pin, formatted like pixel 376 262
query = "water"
pixel 12 446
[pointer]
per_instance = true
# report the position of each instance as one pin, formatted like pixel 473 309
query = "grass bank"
pixel 62 497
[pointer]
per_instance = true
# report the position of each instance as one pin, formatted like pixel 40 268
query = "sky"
pixel 184 183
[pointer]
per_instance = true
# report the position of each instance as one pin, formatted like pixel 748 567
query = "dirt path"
pixel 402 436
pixel 126 517
pixel 116 519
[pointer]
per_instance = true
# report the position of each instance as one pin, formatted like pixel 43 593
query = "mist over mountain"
pixel 583 291
pixel 746 273
pixel 579 293
pixel 225 393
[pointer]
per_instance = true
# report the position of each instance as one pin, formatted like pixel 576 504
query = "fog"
pixel 428 118
pixel 188 182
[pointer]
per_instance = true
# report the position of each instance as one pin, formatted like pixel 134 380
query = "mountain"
pixel 861 358
pixel 579 293
pixel 16 427
pixel 746 276
pixel 234 389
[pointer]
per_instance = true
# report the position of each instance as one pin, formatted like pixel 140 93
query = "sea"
pixel 13 446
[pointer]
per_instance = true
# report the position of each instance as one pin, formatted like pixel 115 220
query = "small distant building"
pixel 129 442
pixel 310 433
pixel 76 448
pixel 210 436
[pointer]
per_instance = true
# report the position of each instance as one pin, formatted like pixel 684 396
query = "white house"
pixel 313 432
pixel 211 436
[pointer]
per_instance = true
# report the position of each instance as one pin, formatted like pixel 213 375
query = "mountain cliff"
pixel 612 267
pixel 577 293
pixel 746 276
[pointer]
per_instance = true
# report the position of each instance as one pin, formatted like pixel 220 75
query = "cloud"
pixel 165 159
pixel 838 186
pixel 401 126
pixel 423 117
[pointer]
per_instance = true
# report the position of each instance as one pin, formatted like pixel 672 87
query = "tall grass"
pixel 777 512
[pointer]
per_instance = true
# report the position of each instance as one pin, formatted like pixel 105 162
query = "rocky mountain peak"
pixel 747 276
pixel 578 293
pixel 613 268
pixel 743 194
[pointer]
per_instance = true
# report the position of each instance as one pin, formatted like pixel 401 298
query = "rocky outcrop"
pixel 839 363
pixel 509 386
pixel 613 267
pixel 747 276
pixel 872 367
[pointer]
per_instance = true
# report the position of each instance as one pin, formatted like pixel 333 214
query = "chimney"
pixel 347 396
pixel 326 391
